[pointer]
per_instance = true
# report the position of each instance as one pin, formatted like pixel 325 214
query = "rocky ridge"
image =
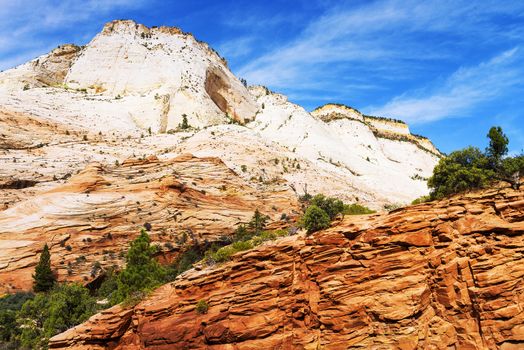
pixel 131 81
pixel 439 275
pixel 89 220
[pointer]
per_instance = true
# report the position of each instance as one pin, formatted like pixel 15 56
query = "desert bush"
pixel 315 219
pixel 201 307
pixel 356 209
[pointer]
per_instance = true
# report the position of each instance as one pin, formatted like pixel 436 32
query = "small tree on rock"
pixel 142 271
pixel 258 222
pixel 315 219
pixel 43 278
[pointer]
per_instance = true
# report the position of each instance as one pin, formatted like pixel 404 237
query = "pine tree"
pixel 43 277
pixel 258 222
pixel 185 124
pixel 142 271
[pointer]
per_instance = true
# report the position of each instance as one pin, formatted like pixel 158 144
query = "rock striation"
pixel 439 275
pixel 90 219
pixel 132 81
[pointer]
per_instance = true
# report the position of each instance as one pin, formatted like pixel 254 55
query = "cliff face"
pixel 444 275
pixel 89 220
pixel 131 80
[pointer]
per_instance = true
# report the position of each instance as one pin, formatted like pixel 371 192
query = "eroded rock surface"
pixel 92 217
pixel 444 275
pixel 132 83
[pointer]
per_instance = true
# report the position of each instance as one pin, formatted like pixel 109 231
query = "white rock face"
pixel 339 140
pixel 157 69
pixel 130 87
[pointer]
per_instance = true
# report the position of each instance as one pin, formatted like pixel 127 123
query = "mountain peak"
pixel 130 26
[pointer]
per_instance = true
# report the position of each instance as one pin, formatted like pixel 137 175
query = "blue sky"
pixel 451 69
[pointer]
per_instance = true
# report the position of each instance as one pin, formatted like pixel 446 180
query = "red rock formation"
pixel 441 275
pixel 93 216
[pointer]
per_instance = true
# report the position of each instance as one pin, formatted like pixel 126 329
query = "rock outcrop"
pixel 89 220
pixel 439 275
pixel 132 81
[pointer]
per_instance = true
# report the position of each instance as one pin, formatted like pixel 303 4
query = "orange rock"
pixel 377 288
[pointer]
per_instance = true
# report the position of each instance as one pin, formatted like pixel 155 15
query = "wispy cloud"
pixel 237 48
pixel 464 89
pixel 382 40
pixel 30 27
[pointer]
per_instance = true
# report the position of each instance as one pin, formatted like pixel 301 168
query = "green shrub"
pixel 202 307
pixel 315 219
pixel 421 199
pixel 64 307
pixel 460 171
pixel 470 168
pixel 332 206
pixel 356 209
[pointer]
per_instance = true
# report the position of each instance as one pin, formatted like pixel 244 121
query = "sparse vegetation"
pixel 421 199
pixel 201 307
pixel 356 209
pixel 470 168
pixel 184 125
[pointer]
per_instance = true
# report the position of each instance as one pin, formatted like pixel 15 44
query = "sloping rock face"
pixel 89 220
pixel 135 67
pixel 391 163
pixel 131 87
pixel 445 275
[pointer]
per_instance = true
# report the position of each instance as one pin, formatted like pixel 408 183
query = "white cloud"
pixel 382 40
pixel 462 91
pixel 236 48
pixel 30 27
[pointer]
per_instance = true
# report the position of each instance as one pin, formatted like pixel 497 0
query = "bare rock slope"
pixel 132 81
pixel 441 275
pixel 90 219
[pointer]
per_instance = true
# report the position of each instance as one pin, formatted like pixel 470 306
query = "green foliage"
pixel 184 125
pixel 224 254
pixel 332 206
pixel 511 169
pixel 421 199
pixel 142 271
pixel 315 219
pixel 243 168
pixel 242 233
pixel 9 330
pixel 186 261
pixel 109 285
pixel 460 171
pixel 245 238
pixel 469 168
pixel 43 279
pixel 498 145
pixel 356 209
pixel 202 307
pixel 258 222
pixel 65 306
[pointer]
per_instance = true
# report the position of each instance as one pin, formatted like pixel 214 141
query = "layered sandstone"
pixel 131 81
pixel 440 275
pixel 89 220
